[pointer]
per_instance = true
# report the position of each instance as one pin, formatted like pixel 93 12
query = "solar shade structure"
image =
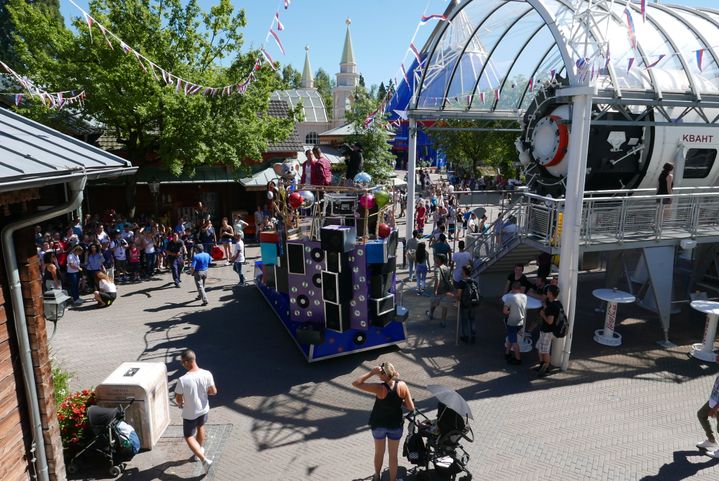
pixel 492 55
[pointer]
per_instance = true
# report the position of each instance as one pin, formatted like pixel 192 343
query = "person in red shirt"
pixel 322 169
pixel 307 168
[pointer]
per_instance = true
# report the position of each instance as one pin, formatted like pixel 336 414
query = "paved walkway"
pixel 617 414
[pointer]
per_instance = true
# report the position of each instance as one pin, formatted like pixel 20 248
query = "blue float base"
pixel 335 343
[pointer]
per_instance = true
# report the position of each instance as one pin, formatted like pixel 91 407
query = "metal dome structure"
pixel 492 55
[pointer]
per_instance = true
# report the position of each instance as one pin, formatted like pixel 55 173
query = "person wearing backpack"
pixel 443 289
pixel 550 314
pixel 467 300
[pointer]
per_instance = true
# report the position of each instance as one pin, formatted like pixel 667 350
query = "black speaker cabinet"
pixel 381 306
pixel 382 320
pixel 379 285
pixel 296 258
pixel 281 279
pixel 384 268
pixel 392 243
pixel 336 238
pixel 336 287
pixel 308 335
pixel 336 261
pixel 337 316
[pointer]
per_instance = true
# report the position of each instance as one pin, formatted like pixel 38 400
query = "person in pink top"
pixel 322 169
pixel 307 168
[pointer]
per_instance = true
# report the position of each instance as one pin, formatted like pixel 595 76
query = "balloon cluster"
pixel 304 199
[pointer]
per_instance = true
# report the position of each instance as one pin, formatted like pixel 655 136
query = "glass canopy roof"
pixel 492 54
pixel 312 105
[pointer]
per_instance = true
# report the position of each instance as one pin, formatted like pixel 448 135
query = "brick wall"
pixel 31 284
pixel 14 425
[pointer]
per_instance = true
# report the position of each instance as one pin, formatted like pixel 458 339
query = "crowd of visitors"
pixel 94 254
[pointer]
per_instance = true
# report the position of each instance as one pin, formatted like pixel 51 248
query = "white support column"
pixel 572 218
pixel 411 174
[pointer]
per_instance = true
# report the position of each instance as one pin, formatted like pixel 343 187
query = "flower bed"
pixel 72 416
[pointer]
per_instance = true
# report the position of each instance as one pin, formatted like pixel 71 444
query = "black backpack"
pixel 561 324
pixel 470 294
pixel 415 450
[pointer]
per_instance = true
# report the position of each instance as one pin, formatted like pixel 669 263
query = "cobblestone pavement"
pixel 626 413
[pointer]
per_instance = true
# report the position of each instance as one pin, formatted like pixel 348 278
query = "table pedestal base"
pixel 698 352
pixel 612 341
pixel 524 341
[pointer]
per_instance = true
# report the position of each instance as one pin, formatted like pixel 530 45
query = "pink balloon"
pixel 295 200
pixel 367 201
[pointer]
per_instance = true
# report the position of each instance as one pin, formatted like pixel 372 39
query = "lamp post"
pixel 54 302
pixel 154 186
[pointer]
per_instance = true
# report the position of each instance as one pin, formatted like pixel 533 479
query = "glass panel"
pixel 707 79
pixel 517 80
pixel 699 163
pixel 455 38
pixel 553 62
pixel 505 53
pixel 669 72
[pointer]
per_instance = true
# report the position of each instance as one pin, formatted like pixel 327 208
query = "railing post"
pixel 622 220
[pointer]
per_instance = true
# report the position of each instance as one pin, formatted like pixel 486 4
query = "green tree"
pixel 324 85
pixel 381 92
pixel 51 8
pixel 378 158
pixel 291 77
pixel 145 114
pixel 361 81
pixel 472 149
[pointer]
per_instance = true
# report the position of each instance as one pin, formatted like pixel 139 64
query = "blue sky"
pixel 381 30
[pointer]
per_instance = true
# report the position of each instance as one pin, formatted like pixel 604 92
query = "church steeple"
pixel 347 78
pixel 348 53
pixel 308 81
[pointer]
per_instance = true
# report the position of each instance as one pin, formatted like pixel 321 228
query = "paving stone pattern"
pixel 618 414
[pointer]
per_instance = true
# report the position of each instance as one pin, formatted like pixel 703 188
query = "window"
pixel 312 138
pixel 699 163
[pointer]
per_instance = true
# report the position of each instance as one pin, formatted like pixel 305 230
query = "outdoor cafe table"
pixel 607 336
pixel 705 350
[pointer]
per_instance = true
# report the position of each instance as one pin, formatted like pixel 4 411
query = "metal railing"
pixel 626 216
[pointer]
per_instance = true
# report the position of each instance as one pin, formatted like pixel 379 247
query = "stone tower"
pixel 347 79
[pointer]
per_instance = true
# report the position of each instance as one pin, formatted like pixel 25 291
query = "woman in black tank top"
pixel 386 418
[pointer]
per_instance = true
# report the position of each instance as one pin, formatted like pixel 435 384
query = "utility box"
pixel 146 382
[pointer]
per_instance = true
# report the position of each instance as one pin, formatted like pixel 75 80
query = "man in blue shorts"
pixel 191 395
pixel 515 310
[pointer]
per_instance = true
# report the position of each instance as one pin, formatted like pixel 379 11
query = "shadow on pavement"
pixel 682 467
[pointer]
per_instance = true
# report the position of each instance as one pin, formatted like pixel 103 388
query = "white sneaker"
pixel 708 445
pixel 713 454
pixel 207 464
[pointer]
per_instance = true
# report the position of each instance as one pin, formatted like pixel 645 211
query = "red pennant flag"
pixel 631 62
pixel 268 58
pixel 280 27
pixel 104 34
pixel 287 4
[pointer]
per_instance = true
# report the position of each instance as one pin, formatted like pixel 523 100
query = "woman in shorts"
pixel 106 292
pixel 386 418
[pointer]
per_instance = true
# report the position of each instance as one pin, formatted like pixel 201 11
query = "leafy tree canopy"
pixel 324 85
pixel 146 115
pixel 378 158
pixel 291 77
pixel 51 8
pixel 472 149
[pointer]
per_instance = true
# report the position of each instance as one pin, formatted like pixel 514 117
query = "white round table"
pixel 525 339
pixel 705 350
pixel 607 336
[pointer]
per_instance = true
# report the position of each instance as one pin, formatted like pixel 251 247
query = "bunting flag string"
pixel 436 16
pixel 631 62
pixel 406 78
pixel 416 54
pixel 56 100
pixel 180 84
pixel 643 7
pixel 277 39
pixel 653 64
pixel 631 31
pixel 700 58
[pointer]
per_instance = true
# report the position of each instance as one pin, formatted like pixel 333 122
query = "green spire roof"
pixel 348 54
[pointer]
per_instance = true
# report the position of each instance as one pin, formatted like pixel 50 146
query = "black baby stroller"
pixel 438 442
pixel 109 439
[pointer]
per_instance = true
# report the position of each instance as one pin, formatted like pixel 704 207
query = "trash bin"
pixel 146 382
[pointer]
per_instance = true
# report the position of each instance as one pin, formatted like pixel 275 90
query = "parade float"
pixel 327 268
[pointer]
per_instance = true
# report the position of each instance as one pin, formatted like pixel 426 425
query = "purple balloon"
pixel 367 201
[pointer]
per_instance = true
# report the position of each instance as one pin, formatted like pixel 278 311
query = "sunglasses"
pixel 381 370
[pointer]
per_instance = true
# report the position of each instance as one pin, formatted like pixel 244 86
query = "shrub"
pixel 72 416
pixel 60 382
